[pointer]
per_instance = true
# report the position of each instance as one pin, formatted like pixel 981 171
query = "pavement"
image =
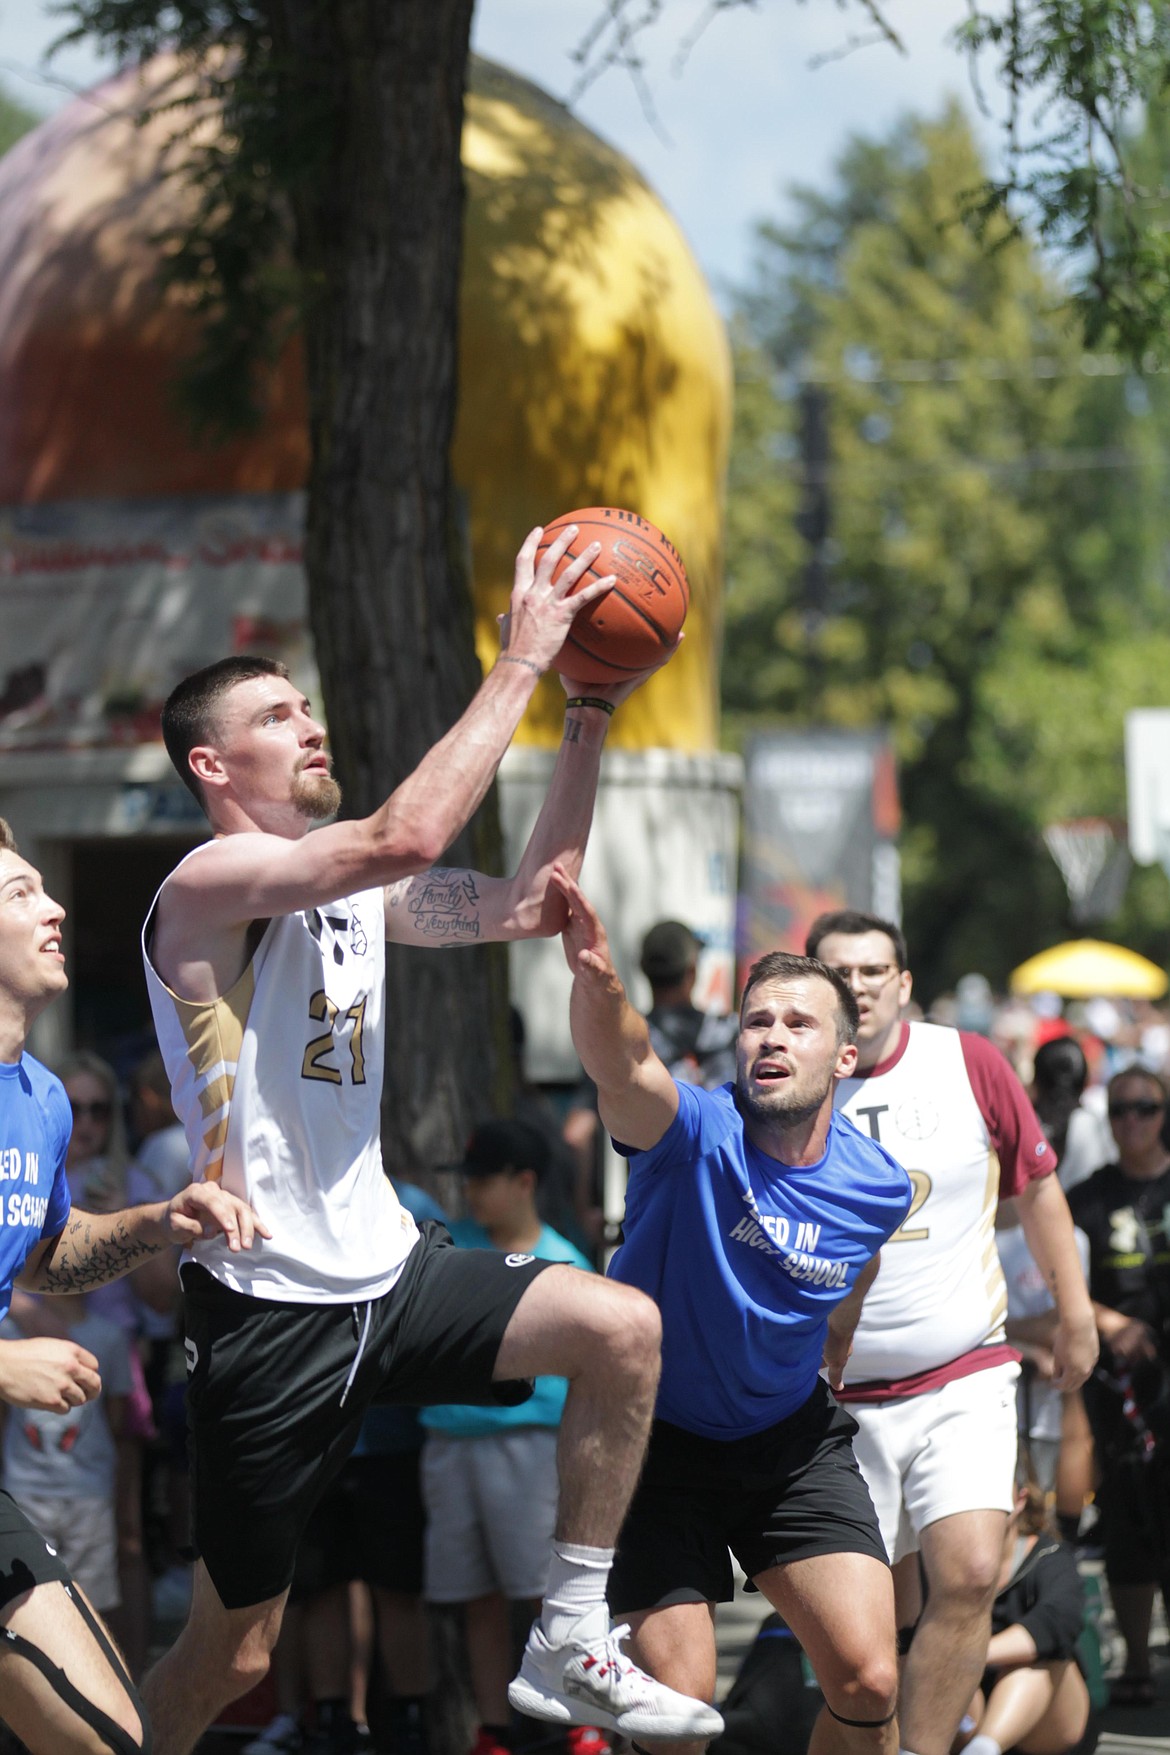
pixel 1123 1730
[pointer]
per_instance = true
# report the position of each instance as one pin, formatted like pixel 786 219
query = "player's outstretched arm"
pixel 249 875
pixel 94 1248
pixel 453 906
pixel 636 1097
pixel 1048 1229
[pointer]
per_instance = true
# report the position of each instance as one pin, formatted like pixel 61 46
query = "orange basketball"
pixel 631 627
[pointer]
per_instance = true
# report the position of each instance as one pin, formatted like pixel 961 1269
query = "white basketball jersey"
pixel 940 1289
pixel 278 1086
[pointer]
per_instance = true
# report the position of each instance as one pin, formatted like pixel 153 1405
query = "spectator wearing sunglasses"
pixel 1124 1210
pixel 98 1158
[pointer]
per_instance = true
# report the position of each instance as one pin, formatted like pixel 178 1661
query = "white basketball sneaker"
pixel 595 1683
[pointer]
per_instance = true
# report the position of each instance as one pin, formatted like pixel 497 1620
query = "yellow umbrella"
pixel 1086 967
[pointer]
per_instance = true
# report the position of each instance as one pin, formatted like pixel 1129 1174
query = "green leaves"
pixel 993 586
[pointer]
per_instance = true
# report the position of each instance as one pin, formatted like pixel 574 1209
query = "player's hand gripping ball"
pixel 633 626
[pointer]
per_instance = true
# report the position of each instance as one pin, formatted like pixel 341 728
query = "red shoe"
pixel 586 1740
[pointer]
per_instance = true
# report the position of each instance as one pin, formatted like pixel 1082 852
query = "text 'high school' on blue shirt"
pixel 35 1124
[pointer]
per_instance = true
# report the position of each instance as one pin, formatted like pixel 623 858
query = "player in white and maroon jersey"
pixel 931 1381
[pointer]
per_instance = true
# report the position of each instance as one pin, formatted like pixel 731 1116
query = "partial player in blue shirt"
pixel 754 1218
pixel 35 1125
pixel 44 1247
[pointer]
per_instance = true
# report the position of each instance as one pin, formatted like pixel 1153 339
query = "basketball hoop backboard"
pixel 1147 777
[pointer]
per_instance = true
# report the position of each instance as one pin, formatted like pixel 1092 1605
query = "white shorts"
pixel 929 1456
pixel 82 1531
pixel 491 1509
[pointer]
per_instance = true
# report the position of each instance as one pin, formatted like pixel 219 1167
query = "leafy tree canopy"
pixel 1076 73
pixel 992 584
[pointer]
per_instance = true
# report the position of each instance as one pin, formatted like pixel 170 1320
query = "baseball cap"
pixel 668 950
pixel 505 1145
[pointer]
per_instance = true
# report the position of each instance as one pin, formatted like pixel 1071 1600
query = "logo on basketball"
pixel 641 564
pixel 916 1120
pixel 518 1260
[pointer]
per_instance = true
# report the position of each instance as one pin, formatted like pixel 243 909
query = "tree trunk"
pixel 375 108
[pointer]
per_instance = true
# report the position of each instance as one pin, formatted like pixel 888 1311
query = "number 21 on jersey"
pixel 318 1062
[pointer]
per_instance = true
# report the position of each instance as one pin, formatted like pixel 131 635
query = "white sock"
pixel 982 1745
pixel 574 1606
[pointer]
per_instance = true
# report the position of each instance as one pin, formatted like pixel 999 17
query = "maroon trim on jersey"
pixel 1020 1143
pixel 883 1066
pixel 888 1389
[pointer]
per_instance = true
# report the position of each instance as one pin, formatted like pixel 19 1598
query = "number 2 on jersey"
pixel 314 1064
pixel 921 1184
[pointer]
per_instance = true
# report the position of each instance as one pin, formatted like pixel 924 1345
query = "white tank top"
pixel 940 1291
pixel 278 1085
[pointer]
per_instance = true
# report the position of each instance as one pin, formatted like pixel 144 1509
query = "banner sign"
pixel 106 606
pixel 820 821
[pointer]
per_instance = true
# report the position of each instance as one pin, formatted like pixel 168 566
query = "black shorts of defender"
pixel 369 1525
pixel 276 1392
pixel 788 1493
pixel 26 1561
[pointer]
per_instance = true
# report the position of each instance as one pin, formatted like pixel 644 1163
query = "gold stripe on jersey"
pixel 997 1298
pixel 214 1033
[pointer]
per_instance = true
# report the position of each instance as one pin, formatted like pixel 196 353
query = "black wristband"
pixel 591 701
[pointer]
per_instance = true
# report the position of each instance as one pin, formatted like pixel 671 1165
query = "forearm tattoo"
pixel 444 903
pixel 87 1254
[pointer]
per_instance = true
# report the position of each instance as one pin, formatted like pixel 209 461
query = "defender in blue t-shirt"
pixel 747 1259
pixel 71 1683
pixel 754 1217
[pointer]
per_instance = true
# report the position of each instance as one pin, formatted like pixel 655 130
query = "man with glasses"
pixel 931 1381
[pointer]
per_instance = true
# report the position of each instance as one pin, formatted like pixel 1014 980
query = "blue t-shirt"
pixel 547 1402
pixel 747 1257
pixel 35 1124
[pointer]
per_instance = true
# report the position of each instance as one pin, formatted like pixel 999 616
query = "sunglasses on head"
pixel 1143 1106
pixel 99 1111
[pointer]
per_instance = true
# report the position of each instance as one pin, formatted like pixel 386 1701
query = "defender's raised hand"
pixel 204 1209
pixel 584 939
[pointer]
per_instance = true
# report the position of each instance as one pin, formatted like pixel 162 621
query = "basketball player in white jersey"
pixel 266 970
pixel 931 1382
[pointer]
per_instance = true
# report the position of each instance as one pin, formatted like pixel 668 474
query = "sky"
pixel 767 96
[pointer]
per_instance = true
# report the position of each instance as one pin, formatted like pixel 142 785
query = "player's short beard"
pixel 784 1108
pixel 316 796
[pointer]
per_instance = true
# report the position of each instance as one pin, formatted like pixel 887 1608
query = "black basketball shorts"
pixel 26 1559
pixel 787 1493
pixel 276 1392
